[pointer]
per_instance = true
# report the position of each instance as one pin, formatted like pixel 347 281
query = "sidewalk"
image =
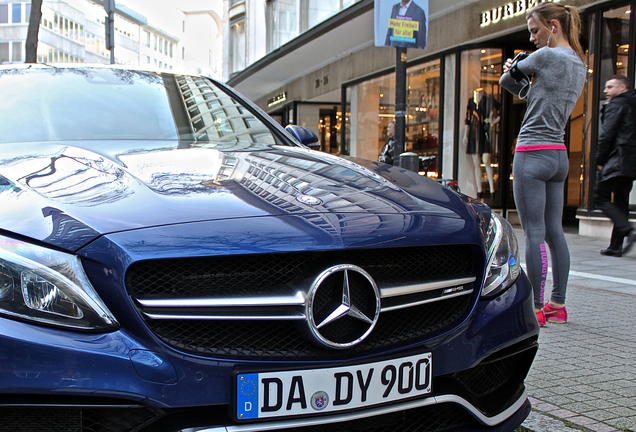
pixel 584 375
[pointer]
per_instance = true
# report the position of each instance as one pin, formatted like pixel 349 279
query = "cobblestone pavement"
pixel 584 375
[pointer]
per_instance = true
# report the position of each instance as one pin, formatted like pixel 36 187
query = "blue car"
pixel 171 259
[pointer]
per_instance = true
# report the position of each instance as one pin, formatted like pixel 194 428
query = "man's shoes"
pixel 555 315
pixel 612 252
pixel 541 318
pixel 629 241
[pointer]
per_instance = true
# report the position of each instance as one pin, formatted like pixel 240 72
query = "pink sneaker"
pixel 541 318
pixel 555 315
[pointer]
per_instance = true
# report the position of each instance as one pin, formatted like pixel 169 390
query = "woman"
pixel 551 79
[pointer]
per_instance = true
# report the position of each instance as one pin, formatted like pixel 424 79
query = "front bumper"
pixel 447 412
pixel 121 381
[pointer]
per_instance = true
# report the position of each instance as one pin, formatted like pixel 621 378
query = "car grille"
pixel 277 340
pixel 249 274
pixel 492 384
pixel 269 275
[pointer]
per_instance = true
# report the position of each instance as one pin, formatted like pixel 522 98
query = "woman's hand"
pixel 507 64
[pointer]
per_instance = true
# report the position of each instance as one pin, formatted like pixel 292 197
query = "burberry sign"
pixel 508 11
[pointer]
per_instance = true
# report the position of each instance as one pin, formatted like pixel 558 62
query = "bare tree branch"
pixel 34 29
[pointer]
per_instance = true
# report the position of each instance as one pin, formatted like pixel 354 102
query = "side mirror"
pixel 304 136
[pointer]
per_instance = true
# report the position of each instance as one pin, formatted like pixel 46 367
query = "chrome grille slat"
pixel 296 300
pixel 421 302
pixel 287 307
pixel 254 317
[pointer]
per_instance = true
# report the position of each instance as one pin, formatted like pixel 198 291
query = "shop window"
pixel 446 168
pixel 330 125
pixel 371 106
pixel 615 45
pixel 325 121
pixel 615 42
pixel 479 144
pixel 422 116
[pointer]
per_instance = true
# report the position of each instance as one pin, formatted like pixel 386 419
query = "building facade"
pixel 189 39
pixel 329 76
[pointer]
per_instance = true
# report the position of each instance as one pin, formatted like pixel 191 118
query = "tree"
pixel 34 29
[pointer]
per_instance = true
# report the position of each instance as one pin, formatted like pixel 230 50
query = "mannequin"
pixel 479 119
pixel 386 155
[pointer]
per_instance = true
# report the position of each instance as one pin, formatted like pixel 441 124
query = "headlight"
pixel 48 287
pixel 502 256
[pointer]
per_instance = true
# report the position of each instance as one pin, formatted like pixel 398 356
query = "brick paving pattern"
pixel 584 375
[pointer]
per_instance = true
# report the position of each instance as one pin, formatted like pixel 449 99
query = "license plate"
pixel 302 392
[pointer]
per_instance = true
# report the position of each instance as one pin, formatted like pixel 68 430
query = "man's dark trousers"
pixel 618 210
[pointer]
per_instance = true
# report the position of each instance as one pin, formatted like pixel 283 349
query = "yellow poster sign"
pixel 401 23
pixel 404 28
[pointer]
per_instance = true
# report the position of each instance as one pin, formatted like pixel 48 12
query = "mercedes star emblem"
pixel 309 200
pixel 343 306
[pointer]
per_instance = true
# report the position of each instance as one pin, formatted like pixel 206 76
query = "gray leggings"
pixel 539 177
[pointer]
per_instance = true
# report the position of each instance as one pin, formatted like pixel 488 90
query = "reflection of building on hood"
pixel 67 228
pixel 414 15
pixel 8 185
pixel 278 179
pixel 78 178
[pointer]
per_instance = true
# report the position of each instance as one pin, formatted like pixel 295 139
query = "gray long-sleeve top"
pixel 559 77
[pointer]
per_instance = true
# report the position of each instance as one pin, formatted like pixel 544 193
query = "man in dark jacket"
pixel 616 160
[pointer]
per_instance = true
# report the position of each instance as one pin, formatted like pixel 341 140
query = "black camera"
pixel 514 71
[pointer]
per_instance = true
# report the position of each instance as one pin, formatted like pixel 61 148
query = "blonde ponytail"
pixel 574 30
pixel 567 16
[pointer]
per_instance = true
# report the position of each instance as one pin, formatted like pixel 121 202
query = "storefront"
pixel 458 118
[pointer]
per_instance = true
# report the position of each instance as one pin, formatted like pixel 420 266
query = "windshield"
pixel 59 104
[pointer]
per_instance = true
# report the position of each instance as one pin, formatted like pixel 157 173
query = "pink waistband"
pixel 541 147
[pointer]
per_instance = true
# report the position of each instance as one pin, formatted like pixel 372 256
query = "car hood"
pixel 69 194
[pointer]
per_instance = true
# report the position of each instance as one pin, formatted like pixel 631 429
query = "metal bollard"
pixel 410 161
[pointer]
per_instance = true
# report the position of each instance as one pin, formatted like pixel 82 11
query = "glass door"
pixel 607 55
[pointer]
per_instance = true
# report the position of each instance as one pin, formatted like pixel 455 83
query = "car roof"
pixel 41 66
